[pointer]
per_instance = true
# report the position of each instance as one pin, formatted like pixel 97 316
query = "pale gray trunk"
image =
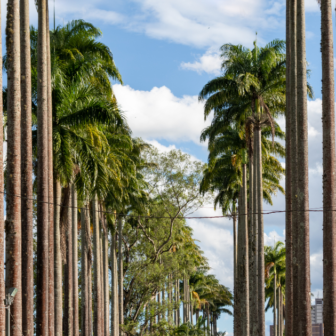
pixel 275 306
pixel 163 303
pixel 185 298
pixel 97 292
pixel 261 262
pixel 58 260
pixel 121 275
pixel 177 299
pixel 191 310
pixel 114 288
pixel 102 296
pixel 75 260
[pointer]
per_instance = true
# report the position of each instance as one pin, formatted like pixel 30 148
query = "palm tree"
pixel 329 164
pixel 13 183
pixel 274 258
pixel 26 174
pixel 304 315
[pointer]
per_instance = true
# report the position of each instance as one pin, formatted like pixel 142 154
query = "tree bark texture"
pixel 75 260
pixel 26 174
pixel 114 288
pixel 13 203
pixel 106 280
pixel 68 270
pixel 121 275
pixel 252 298
pixel 42 286
pixel 261 262
pixel 243 268
pixel 97 290
pixel 289 223
pixel 275 305
pixel 236 315
pixel 2 228
pixel 50 183
pixel 255 330
pixel 329 167
pixel 294 157
pixel 303 187
pixel 58 301
pixel 86 260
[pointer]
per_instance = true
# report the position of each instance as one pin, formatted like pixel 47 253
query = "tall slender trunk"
pixel 90 285
pixel 281 314
pixel 106 280
pixel 329 167
pixel 114 288
pixel 185 318
pixel 158 304
pixel 303 187
pixel 26 174
pixel 251 242
pixel 275 304
pixel 13 203
pixel 86 271
pixel 279 317
pixel 255 331
pixel 51 312
pixel 97 291
pixel 121 275
pixel 102 319
pixel 2 228
pixel 68 270
pixel 237 325
pixel 75 260
pixel 289 237
pixel 163 303
pixel 58 302
pixel 234 221
pixel 294 158
pixel 191 311
pixel 42 286
pixel 177 299
pixel 261 263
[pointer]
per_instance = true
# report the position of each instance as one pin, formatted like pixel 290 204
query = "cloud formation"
pixel 209 63
pixel 158 114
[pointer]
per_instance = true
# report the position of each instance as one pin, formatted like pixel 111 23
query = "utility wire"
pixel 265 212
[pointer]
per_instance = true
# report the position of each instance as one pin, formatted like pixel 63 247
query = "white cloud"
pixel 160 147
pixel 272 237
pixel 158 114
pixel 209 63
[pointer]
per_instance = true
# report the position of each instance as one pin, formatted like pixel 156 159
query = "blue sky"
pixel 166 51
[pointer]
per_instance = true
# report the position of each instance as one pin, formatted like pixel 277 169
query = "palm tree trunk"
pixel 51 299
pixel 97 292
pixel 121 275
pixel 279 317
pixel 58 302
pixel 42 294
pixel 177 299
pixel 68 271
pixel 236 304
pixel 102 305
pixel 261 263
pixel 243 270
pixel 75 261
pixel 275 305
pixel 13 203
pixel 184 299
pixel 294 158
pixel 90 298
pixel 191 311
pixel 114 288
pixel 289 237
pixel 26 174
pixel 163 303
pixel 252 299
pixel 106 280
pixel 329 166
pixel 255 331
pixel 2 228
pixel 158 302
pixel 281 314
pixel 86 272
pixel 303 188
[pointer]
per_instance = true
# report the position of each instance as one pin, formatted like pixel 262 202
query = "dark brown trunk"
pixel 42 286
pixel 289 238
pixel 121 276
pixel 68 269
pixel 13 203
pixel 329 167
pixel 261 262
pixel 51 298
pixel 114 288
pixel 2 228
pixel 303 187
pixel 26 175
